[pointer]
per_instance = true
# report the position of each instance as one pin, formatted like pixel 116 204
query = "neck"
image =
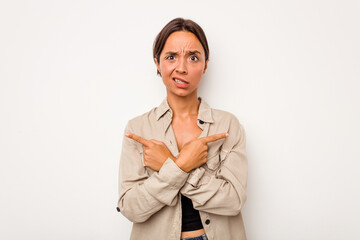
pixel 183 107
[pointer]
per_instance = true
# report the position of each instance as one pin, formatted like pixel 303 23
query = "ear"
pixel 157 64
pixel 205 65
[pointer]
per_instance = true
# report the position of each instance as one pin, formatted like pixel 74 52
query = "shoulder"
pixel 142 120
pixel 219 114
pixel 226 117
pixel 229 122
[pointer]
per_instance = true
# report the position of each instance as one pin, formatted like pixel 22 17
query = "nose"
pixel 181 67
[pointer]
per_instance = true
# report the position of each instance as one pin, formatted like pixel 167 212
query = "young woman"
pixel 183 165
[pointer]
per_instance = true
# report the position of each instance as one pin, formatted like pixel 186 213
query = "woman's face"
pixel 182 63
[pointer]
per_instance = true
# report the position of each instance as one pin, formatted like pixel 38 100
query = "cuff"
pixel 165 184
pixel 172 174
pixel 195 176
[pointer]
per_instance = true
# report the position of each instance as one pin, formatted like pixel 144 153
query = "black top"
pixel 190 217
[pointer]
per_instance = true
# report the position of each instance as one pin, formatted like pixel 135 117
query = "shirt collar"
pixel 204 113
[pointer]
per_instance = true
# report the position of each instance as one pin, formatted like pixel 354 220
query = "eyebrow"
pixel 188 52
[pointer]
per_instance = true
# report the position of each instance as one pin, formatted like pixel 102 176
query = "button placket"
pixel 205 218
pixel 173 141
pixel 201 124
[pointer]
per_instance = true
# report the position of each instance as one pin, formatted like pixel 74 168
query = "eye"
pixel 194 58
pixel 171 57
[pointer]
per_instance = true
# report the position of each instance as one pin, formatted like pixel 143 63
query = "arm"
pixel 223 192
pixel 141 195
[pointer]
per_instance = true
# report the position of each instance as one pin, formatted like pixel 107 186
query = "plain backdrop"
pixel 72 73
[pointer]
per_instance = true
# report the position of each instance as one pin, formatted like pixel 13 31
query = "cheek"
pixel 166 68
pixel 197 70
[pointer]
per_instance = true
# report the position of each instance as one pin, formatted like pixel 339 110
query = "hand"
pixel 155 152
pixel 193 154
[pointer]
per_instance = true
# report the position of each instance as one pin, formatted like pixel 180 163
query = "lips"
pixel 180 83
pixel 180 79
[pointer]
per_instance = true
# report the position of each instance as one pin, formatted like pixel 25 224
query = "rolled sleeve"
pixel 195 176
pixel 222 192
pixel 165 184
pixel 141 195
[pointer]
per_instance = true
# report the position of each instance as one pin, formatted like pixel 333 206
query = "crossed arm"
pixel 142 195
pixel 192 156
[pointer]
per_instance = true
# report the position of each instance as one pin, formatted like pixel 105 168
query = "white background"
pixel 72 73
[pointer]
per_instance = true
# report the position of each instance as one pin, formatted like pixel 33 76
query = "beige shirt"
pixel 152 200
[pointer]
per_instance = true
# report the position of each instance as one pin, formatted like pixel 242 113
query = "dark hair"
pixel 175 25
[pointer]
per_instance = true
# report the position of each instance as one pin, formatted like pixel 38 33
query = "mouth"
pixel 180 83
pixel 179 80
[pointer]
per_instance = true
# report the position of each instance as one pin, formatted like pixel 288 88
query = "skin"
pixel 182 57
pixel 176 60
pixel 193 154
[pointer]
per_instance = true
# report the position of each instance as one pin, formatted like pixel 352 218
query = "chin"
pixel 182 92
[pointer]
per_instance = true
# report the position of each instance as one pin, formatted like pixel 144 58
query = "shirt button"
pixel 118 209
pixel 201 122
pixel 207 221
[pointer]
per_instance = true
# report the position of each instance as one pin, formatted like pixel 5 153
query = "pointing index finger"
pixel 215 137
pixel 137 138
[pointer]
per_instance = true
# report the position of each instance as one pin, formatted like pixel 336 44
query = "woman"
pixel 183 166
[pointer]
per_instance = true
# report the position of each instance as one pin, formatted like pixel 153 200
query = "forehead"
pixel 182 41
